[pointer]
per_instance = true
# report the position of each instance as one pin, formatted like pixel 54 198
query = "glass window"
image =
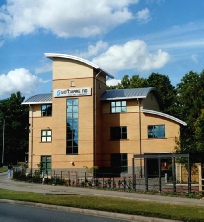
pixel 46 164
pixel 46 110
pixel 117 133
pixel 46 135
pixel 119 162
pixel 72 126
pixel 118 107
pixel 156 131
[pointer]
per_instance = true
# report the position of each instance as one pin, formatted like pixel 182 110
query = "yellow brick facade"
pixel 94 122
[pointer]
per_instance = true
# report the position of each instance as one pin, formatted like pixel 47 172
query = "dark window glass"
pixel 46 164
pixel 156 131
pixel 118 107
pixel 119 162
pixel 117 133
pixel 72 126
pixel 46 110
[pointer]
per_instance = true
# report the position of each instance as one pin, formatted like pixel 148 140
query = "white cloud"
pixel 194 57
pixel 132 55
pixel 45 68
pixel 113 82
pixel 143 16
pixel 18 80
pixel 63 18
pixel 94 50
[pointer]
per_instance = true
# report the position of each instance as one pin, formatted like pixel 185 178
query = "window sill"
pixel 46 142
pixel 157 138
pixel 71 154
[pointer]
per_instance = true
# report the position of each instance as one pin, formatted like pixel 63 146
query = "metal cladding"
pixel 127 93
pixel 40 98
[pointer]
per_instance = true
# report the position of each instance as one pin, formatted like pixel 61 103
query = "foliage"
pixel 199 133
pixel 165 89
pixel 23 164
pixel 190 97
pixel 16 120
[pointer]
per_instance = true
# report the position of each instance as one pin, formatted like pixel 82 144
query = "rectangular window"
pixel 118 107
pixel 156 131
pixel 46 110
pixel 46 164
pixel 117 133
pixel 72 126
pixel 46 135
pixel 119 162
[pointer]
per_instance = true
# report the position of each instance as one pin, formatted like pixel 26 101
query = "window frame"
pixel 156 134
pixel 120 130
pixel 46 164
pixel 46 136
pixel 118 106
pixel 45 111
pixel 72 126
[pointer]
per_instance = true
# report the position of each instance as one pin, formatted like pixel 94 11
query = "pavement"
pixel 10 184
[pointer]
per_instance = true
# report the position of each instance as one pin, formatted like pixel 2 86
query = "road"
pixel 19 213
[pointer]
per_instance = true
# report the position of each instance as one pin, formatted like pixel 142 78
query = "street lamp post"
pixel 2 160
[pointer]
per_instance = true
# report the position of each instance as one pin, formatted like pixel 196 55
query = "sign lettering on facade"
pixel 72 92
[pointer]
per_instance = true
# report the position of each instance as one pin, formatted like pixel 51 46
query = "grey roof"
pixel 117 94
pixel 39 99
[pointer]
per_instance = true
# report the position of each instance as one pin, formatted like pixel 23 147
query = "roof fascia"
pixel 66 56
pixel 164 115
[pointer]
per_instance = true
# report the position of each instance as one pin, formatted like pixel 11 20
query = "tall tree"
pixel 15 117
pixel 165 89
pixel 190 93
pixel 137 82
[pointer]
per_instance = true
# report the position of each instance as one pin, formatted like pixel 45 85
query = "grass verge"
pixel 119 205
pixel 3 169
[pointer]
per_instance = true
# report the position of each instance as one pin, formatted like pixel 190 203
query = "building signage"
pixel 72 92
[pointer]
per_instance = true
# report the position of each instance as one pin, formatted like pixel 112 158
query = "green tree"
pixel 165 89
pixel 190 94
pixel 137 82
pixel 16 120
pixel 199 133
pixel 125 82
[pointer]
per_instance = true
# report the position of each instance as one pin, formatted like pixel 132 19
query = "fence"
pixel 109 181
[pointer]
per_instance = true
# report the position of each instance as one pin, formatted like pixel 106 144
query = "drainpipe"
pixel 140 137
pixel 31 147
pixel 95 78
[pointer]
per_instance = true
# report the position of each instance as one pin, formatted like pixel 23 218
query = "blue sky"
pixel 134 37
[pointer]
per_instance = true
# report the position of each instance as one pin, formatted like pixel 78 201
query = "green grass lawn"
pixel 119 205
pixel 3 169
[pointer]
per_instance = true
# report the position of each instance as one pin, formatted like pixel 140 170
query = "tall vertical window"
pixel 46 110
pixel 46 164
pixel 156 131
pixel 117 133
pixel 46 135
pixel 118 106
pixel 72 126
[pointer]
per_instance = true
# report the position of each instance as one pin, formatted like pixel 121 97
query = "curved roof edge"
pixel 66 56
pixel 132 93
pixel 164 115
